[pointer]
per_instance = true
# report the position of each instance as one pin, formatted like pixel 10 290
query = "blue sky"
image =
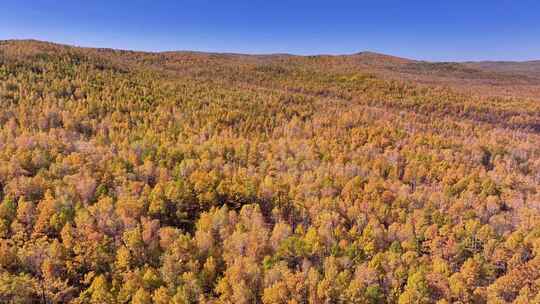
pixel 430 30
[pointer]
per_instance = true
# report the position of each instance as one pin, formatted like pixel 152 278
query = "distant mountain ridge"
pixel 529 68
pixel 361 54
pixel 497 78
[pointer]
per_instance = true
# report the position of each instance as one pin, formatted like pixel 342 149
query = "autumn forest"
pixel 184 177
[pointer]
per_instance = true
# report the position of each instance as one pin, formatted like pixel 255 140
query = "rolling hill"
pixel 188 177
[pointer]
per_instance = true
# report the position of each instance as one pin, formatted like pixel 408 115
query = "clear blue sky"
pixel 431 30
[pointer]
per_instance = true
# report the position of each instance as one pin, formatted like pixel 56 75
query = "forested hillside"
pixel 130 177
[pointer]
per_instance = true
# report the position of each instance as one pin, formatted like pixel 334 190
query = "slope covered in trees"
pixel 130 177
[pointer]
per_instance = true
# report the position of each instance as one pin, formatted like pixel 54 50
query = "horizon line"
pixel 73 45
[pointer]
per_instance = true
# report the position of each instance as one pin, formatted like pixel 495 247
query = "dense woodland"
pixel 129 177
